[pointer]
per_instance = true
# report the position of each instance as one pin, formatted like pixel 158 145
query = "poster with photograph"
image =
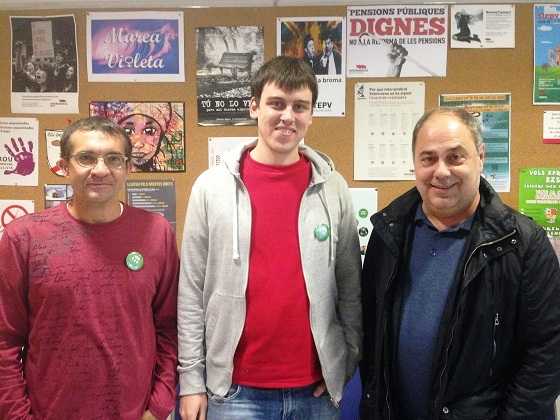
pixel 52 140
pixel 18 151
pixel 482 25
pixel 546 61
pixel 321 42
pixel 217 146
pixel 365 205
pixel 493 110
pixel 384 118
pixel 44 65
pixel 142 46
pixel 156 130
pixel 539 198
pixel 397 41
pixel 157 196
pixel 227 58
pixel 14 209
pixel 57 194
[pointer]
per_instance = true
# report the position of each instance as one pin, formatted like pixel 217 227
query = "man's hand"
pixel 193 407
pixel 319 389
pixel 148 416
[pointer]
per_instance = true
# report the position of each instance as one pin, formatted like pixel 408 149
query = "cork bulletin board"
pixel 468 71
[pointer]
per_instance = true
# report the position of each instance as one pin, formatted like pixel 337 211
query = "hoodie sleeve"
pixel 190 313
pixel 347 271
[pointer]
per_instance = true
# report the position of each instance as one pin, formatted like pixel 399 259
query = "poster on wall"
pixel 57 194
pixel 217 146
pixel 551 127
pixel 52 140
pixel 539 198
pixel 493 111
pixel 145 46
pixel 156 131
pixel 482 25
pixel 44 78
pixel 18 151
pixel 397 41
pixel 364 201
pixel 546 49
pixel 321 42
pixel 157 196
pixel 14 209
pixel 384 118
pixel 227 58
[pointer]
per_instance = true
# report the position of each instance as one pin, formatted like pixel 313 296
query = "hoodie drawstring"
pixel 325 202
pixel 235 227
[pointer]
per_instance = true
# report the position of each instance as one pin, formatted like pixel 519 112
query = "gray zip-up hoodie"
pixel 214 267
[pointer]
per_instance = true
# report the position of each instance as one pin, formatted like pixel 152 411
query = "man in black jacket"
pixel 461 293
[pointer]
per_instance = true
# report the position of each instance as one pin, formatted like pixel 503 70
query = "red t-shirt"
pixel 276 349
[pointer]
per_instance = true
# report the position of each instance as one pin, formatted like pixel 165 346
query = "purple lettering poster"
pixel 135 47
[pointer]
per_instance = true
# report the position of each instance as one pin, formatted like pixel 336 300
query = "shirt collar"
pixel 421 219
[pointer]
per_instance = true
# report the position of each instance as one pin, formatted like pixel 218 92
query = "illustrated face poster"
pixel 546 83
pixel 157 196
pixel 45 65
pixel 539 198
pixel 156 131
pixel 320 41
pixel 135 47
pixel 493 111
pixel 52 139
pixel 13 209
pixel 18 151
pixel 397 41
pixel 227 58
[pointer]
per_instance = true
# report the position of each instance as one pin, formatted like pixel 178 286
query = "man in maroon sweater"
pixel 88 296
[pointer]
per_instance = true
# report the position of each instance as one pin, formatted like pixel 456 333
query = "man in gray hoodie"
pixel 269 316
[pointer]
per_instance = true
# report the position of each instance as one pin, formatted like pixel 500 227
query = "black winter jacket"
pixel 498 351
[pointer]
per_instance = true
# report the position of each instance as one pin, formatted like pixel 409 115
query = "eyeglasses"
pixel 89 160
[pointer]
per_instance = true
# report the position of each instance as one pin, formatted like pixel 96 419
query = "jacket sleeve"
pixel 14 401
pixel 162 399
pixel 190 313
pixel 536 384
pixel 347 271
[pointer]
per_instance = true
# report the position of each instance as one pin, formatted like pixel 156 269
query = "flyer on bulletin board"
pixel 539 198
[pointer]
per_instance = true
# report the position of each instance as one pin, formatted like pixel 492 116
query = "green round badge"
pixel 363 213
pixel 322 232
pixel 134 261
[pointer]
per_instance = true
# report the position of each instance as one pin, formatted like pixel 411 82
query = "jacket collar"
pixel 493 218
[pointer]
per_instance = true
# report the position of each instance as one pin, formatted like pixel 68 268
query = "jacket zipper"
pixel 494 343
pixel 446 359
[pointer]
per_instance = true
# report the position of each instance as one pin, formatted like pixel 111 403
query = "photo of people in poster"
pixel 227 58
pixel 156 130
pixel 319 41
pixel 44 65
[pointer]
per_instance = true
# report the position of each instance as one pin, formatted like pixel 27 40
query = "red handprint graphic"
pixel 24 158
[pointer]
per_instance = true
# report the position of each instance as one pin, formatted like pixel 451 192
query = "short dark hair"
pixel 306 40
pixel 464 116
pixel 100 124
pixel 287 73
